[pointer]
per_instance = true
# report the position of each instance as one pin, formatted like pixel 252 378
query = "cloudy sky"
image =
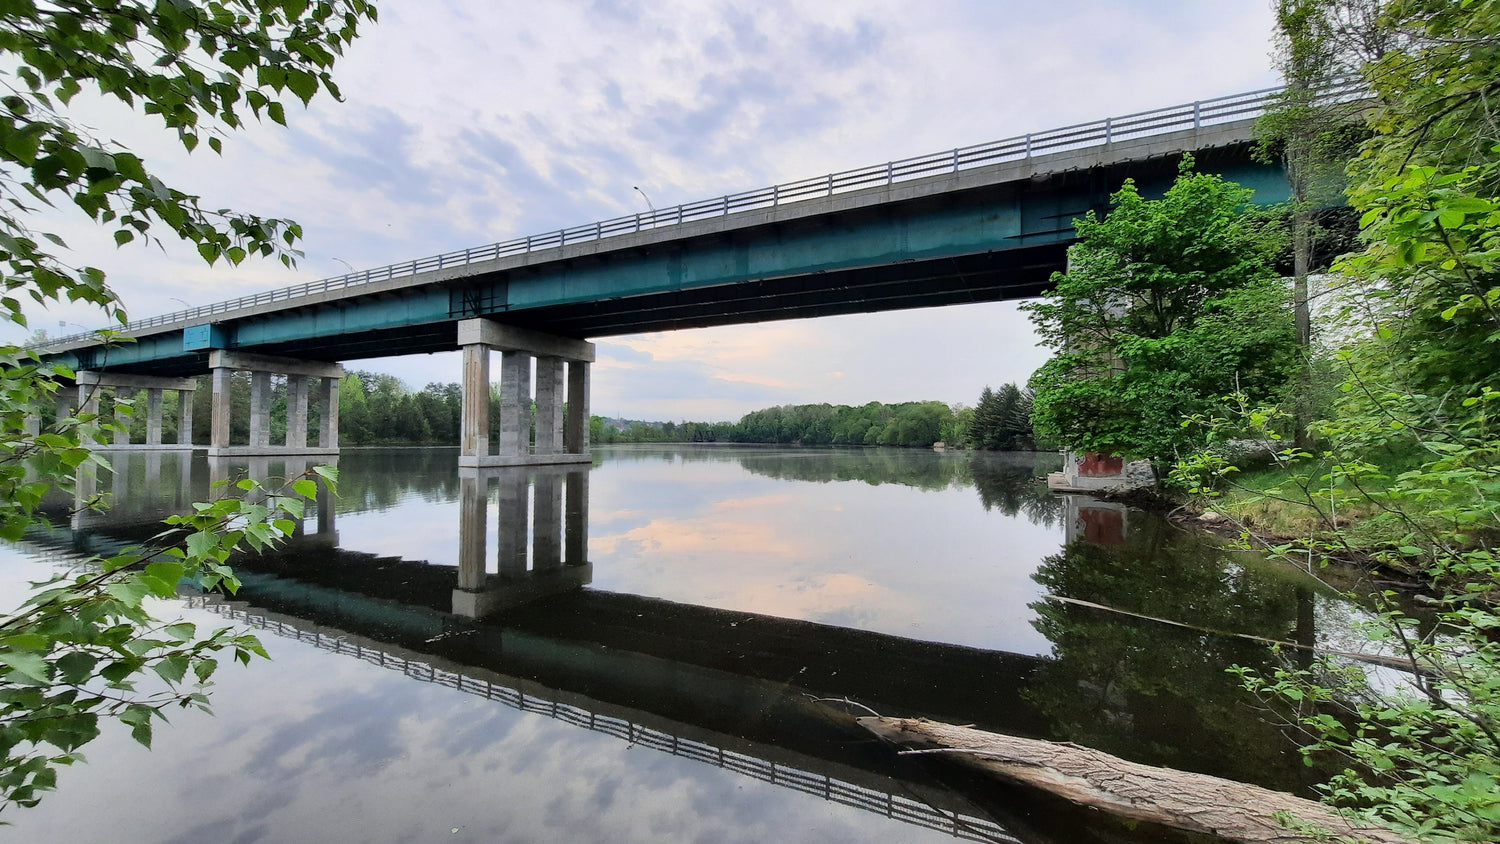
pixel 466 123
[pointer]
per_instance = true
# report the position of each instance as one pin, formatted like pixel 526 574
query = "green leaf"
pixel 29 664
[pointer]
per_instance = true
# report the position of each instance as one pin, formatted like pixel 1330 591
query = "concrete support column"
pixel 184 417
pixel 33 424
pixel 218 436
pixel 122 422
pixel 473 501
pixel 474 422
pixel 153 416
pixel 328 414
pixel 67 400
pixel 298 390
pixel 260 410
pixel 88 398
pixel 547 522
pixel 576 519
pixel 513 522
pixel 549 405
pixel 515 404
pixel 577 439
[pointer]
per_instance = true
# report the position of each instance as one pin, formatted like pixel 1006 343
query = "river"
pixel 657 648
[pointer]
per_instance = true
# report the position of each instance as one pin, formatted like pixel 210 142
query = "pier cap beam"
pixel 95 378
pixel 247 362
pixel 509 338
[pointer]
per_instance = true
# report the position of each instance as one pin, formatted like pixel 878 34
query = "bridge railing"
pixel 1194 115
pixel 897 807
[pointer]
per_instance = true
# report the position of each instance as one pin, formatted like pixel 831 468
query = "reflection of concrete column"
pixel 119 478
pixel 473 498
pixel 576 520
pixel 326 509
pixel 260 409
pixel 258 469
pixel 85 487
pixel 153 473
pixel 328 414
pixel 474 422
pixel 298 390
pixel 185 479
pixel 515 403
pixel 218 472
pixel 184 417
pixel 122 421
pixel 153 416
pixel 549 405
pixel 546 538
pixel 577 433
pixel 1307 632
pixel 218 436
pixel 513 522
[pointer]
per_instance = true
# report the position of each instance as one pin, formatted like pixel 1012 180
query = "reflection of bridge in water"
pixel 505 613
pixel 820 779
pixel 731 689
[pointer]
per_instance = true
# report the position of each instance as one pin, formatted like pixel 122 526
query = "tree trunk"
pixel 1193 803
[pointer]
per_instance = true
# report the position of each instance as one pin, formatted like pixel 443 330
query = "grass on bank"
pixel 1321 500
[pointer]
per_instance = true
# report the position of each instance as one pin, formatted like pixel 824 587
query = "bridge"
pixel 983 223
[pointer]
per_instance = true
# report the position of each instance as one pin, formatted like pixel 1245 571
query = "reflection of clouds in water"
pixel 887 557
pixel 346 751
pixel 837 598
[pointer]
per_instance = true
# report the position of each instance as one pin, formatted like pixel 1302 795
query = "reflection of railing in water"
pixel 896 807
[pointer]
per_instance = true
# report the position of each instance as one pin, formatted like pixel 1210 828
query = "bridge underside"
pixel 963 279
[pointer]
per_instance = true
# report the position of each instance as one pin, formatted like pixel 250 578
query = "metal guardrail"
pixel 1194 115
pixel 894 806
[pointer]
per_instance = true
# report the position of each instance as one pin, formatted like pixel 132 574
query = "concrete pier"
pixel 561 436
pixel 92 385
pixel 261 368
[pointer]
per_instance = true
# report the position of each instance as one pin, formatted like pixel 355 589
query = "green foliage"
pixel 1002 420
pixel 1418 349
pixel 193 67
pixel 76 651
pixel 1166 306
pixel 912 424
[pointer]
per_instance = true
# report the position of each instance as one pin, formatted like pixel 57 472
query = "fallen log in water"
pixel 1194 803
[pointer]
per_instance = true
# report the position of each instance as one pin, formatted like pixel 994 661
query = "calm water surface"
pixel 642 651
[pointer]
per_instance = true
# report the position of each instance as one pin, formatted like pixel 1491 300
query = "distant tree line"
pixel 379 409
pixel 1001 421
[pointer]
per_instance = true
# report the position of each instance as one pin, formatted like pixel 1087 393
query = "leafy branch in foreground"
pixel 73 654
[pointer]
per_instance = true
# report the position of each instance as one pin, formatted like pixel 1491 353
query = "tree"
pixel 1419 357
pixel 1002 419
pixel 1313 133
pixel 71 652
pixel 1166 306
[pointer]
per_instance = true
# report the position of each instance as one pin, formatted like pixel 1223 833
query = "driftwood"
pixel 1194 803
